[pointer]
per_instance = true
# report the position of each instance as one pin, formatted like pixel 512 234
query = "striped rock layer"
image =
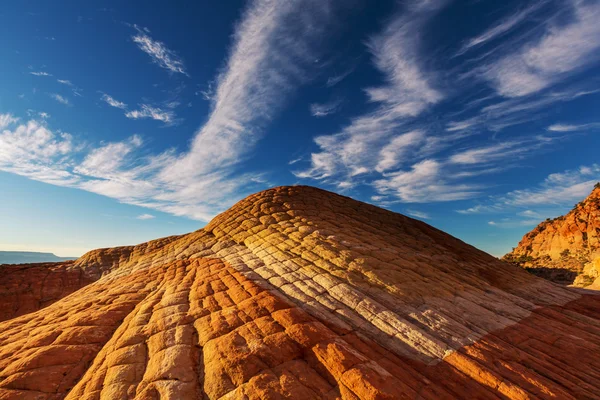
pixel 296 293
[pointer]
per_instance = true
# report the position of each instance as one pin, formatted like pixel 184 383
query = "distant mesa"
pixel 566 249
pixel 29 257
pixel 295 293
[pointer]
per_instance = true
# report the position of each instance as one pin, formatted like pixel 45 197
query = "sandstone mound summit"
pixel 566 248
pixel 296 293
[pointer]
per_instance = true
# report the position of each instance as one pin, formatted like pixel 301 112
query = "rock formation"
pixel 565 249
pixel 299 293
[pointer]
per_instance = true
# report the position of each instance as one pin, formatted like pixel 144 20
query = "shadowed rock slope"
pixel 565 249
pixel 304 294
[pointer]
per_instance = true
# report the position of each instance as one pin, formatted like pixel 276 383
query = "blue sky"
pixel 121 122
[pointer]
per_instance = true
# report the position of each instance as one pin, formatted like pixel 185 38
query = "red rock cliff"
pixel 570 242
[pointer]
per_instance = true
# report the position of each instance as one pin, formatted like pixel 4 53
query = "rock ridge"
pixel 296 292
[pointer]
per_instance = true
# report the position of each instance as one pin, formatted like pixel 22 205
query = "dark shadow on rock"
pixel 561 276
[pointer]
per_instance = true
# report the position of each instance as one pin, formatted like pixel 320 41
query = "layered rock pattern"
pixel 300 293
pixel 564 249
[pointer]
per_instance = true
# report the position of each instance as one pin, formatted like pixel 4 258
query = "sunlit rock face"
pixel 565 249
pixel 299 293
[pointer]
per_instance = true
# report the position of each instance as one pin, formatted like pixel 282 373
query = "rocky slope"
pixel 565 249
pixel 300 293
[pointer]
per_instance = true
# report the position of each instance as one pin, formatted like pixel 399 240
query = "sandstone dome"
pixel 295 293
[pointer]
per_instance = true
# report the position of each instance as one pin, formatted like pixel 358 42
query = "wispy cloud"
pixel 76 91
pixel 562 50
pixel 394 152
pixel 274 48
pixel 527 207
pixel 509 223
pixel 113 102
pixel 324 109
pixel 571 128
pixel 60 99
pixel 515 111
pixel 425 182
pixel 512 149
pixel 409 90
pixel 557 189
pixel 418 214
pixel 474 210
pixel 32 150
pixel 270 57
pixel 6 120
pixel 145 217
pixel 334 80
pixel 40 73
pixel 159 52
pixel 500 28
pixel 146 111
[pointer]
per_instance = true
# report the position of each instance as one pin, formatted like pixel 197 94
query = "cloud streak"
pixel 501 28
pixel 158 51
pixel 113 102
pixel 324 109
pixel 274 48
pixel 571 127
pixel 60 99
pixel 562 50
pixel 409 90
pixel 40 73
pixel 147 111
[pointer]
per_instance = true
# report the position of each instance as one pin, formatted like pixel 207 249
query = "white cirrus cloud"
pixel 392 153
pixel 40 73
pixel 562 50
pixel 60 99
pixel 409 90
pixel 65 82
pixel 335 79
pixel 145 217
pixel 31 149
pixel 555 195
pixel 275 46
pixel 418 214
pixel 107 161
pixel 562 188
pixel 424 182
pixel 501 28
pixel 159 52
pixel 273 52
pixel 113 102
pixel 147 111
pixel 571 127
pixel 324 109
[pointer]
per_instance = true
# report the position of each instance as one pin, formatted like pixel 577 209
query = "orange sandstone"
pixel 303 294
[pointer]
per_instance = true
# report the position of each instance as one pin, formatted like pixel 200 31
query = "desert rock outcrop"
pixel 299 293
pixel 565 249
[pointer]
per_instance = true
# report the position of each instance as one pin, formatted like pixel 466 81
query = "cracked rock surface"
pixel 296 293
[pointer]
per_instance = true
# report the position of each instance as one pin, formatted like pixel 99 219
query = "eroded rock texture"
pixel 565 249
pixel 300 293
